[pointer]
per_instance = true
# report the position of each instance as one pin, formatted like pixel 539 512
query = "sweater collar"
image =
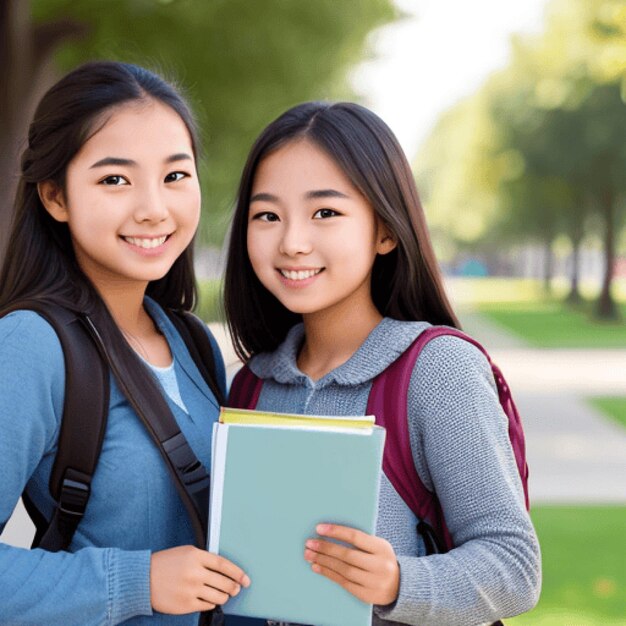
pixel 387 341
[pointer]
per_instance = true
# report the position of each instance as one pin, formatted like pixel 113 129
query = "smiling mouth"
pixel 300 274
pixel 147 242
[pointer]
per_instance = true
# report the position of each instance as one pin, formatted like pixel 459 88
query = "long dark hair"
pixel 40 263
pixel 406 283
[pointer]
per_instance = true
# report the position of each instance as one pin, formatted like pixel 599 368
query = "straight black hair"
pixel 40 263
pixel 406 283
pixel 40 260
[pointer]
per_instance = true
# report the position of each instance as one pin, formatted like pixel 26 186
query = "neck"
pixel 332 337
pixel 126 307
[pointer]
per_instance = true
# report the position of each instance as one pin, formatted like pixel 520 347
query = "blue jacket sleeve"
pixel 93 585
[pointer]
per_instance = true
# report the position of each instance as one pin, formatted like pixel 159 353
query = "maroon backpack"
pixel 388 402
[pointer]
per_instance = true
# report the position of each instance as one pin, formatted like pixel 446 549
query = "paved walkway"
pixel 575 454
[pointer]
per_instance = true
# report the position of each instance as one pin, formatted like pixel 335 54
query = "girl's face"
pixel 132 198
pixel 312 237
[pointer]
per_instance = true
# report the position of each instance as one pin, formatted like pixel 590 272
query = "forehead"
pixel 138 128
pixel 300 163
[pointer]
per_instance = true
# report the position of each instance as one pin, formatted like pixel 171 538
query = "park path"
pixel 576 455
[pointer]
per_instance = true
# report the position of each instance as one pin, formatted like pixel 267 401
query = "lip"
pixel 298 284
pixel 148 252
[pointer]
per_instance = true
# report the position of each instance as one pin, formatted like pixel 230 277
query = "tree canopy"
pixel 240 63
pixel 541 145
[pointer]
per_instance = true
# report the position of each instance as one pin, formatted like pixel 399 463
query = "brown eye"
pixel 322 214
pixel 266 216
pixel 114 181
pixel 175 177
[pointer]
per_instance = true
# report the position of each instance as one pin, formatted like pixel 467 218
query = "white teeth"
pixel 299 275
pixel 143 242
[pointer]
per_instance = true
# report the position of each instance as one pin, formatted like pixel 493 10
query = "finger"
pixel 357 538
pixel 221 583
pixel 357 558
pixel 353 588
pixel 203 605
pixel 218 563
pixel 347 572
pixel 212 595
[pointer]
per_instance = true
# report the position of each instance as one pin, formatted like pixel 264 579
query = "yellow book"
pixel 260 418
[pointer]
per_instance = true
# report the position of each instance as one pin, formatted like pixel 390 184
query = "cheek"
pixel 196 212
pixel 192 202
pixel 255 250
pixel 261 254
pixel 359 246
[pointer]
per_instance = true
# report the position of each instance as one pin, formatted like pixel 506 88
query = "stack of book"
pixel 274 477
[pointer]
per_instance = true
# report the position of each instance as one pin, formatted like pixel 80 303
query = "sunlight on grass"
pixel 521 307
pixel 614 407
pixel 562 618
pixel 469 292
pixel 584 578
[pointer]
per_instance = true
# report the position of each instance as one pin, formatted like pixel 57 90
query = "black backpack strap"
pixel 190 477
pixel 85 412
pixel 194 333
pixel 82 430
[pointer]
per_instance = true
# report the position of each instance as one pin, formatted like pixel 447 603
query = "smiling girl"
pixel 330 247
pixel 107 207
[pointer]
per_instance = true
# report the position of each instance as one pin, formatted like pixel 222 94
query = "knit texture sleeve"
pixel 461 450
pixel 93 585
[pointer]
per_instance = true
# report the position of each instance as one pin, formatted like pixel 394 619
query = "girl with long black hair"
pixel 106 211
pixel 330 248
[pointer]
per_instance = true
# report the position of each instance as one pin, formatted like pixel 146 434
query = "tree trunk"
pixel 26 61
pixel 548 266
pixel 606 308
pixel 574 296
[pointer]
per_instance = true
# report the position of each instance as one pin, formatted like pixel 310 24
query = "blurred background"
pixel 513 115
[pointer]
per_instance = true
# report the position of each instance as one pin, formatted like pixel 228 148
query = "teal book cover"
pixel 271 486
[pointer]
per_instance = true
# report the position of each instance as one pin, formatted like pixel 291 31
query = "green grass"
pixel 522 307
pixel 584 570
pixel 209 306
pixel 613 406
pixel 557 325
pixel 493 290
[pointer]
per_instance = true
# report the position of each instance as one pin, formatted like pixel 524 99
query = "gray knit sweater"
pixel 461 449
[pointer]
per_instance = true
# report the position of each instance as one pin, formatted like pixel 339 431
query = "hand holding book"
pixel 368 570
pixel 278 478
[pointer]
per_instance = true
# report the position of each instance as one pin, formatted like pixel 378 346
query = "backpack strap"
pixel 388 401
pixel 194 333
pixel 245 389
pixel 516 431
pixel 83 424
pixel 189 475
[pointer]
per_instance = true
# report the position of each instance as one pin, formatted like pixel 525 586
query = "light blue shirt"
pixel 134 508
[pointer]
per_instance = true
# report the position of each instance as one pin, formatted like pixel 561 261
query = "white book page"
pixel 218 468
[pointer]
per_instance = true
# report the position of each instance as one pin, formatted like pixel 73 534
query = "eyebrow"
pixel 180 156
pixel 310 195
pixel 325 193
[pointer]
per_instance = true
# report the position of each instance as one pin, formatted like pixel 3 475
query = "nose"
pixel 295 240
pixel 151 205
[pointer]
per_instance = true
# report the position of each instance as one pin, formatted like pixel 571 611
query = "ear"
pixel 53 200
pixel 385 241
